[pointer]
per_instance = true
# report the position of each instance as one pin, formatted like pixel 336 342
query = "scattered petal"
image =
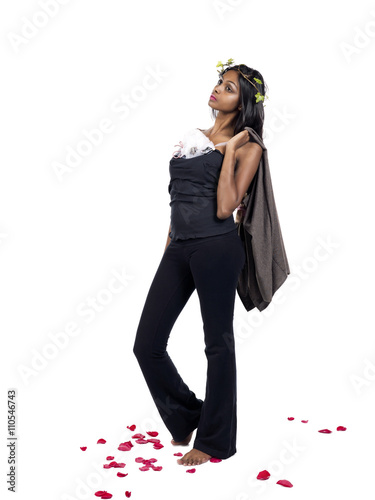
pixel 156 467
pixel 83 448
pixel 120 474
pixel 214 460
pixel 107 466
pixel 304 421
pixel 101 441
pixel 151 460
pixel 177 454
pixel 341 428
pixel 107 495
pixel 100 493
pixel 158 446
pixel 264 474
pixel 191 470
pixel 139 460
pixel 152 433
pixel 325 431
pixel 141 441
pixel 125 446
pixel 284 482
pixel 110 458
pixel 146 467
pixel 127 494
pixel 137 436
pixel 290 418
pixel 131 427
pixel 120 464
pixel 153 440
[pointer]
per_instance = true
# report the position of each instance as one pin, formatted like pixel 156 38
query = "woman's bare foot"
pixel 194 457
pixel 184 442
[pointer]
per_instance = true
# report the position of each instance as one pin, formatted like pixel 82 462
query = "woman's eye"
pixel 227 87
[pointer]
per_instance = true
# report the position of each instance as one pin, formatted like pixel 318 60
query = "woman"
pixel 204 252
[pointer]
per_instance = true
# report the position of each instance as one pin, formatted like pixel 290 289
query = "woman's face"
pixel 226 93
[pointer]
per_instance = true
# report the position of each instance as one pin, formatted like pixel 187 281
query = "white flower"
pixel 194 143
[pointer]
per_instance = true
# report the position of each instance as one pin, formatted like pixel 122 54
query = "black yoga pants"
pixel 211 265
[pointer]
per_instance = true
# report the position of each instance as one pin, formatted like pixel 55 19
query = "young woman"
pixel 210 175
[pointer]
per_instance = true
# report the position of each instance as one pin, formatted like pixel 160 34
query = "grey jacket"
pixel 266 267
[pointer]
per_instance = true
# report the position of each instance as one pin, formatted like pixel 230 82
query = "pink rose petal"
pixel 325 431
pixel 153 440
pixel 139 460
pixel 107 466
pixel 153 433
pixel 146 467
pixel 125 446
pixel 158 446
pixel 127 494
pixel 264 474
pixel 131 427
pixel 191 470
pixel 119 465
pixel 137 436
pixel 141 441
pixel 284 482
pixel 156 467
pixel 83 448
pixel 290 418
pixel 120 474
pixel 214 460
pixel 177 454
pixel 110 458
pixel 341 428
pixel 101 441
pixel 304 421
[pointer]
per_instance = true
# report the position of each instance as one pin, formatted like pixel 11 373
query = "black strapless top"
pixel 192 187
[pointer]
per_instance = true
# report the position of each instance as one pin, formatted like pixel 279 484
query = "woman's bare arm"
pixel 168 239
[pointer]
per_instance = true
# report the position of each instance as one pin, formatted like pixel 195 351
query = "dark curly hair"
pixel 251 113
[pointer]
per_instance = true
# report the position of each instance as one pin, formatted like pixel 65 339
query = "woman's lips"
pixel 212 97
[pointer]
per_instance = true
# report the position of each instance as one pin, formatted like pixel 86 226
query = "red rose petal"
pixel 120 474
pixel 146 467
pixel 290 418
pixel 152 433
pixel 83 448
pixel 341 428
pixel 112 464
pixel 131 427
pixel 139 460
pixel 214 460
pixel 137 436
pixel 304 421
pixel 120 464
pixel 152 460
pixel 153 440
pixel 101 441
pixel 156 467
pixel 107 495
pixel 110 458
pixel 141 441
pixel 177 454
pixel 125 446
pixel 325 431
pixel 107 466
pixel 158 446
pixel 284 482
pixel 264 474
pixel 99 493
pixel 127 494
pixel 191 470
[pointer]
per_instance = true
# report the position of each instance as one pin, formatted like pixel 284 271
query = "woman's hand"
pixel 238 140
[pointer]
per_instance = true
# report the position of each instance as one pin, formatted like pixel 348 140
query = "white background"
pixel 309 355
